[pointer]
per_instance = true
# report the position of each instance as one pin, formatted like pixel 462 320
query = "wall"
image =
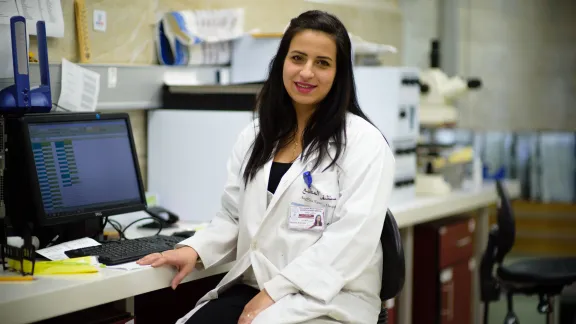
pixel 523 50
pixel 525 53
pixel 130 34
pixel 129 37
pixel 420 23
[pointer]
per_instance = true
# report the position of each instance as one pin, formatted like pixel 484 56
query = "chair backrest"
pixel 394 272
pixel 500 242
pixel 506 223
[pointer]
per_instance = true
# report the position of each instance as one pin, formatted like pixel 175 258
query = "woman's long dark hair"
pixel 277 116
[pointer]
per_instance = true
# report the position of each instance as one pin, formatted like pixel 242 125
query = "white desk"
pixel 50 296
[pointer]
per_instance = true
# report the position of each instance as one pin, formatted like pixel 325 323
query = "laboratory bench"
pixel 145 292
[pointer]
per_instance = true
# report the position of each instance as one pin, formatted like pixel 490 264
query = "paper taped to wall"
pixel 50 11
pixel 33 10
pixel 6 68
pixel 80 88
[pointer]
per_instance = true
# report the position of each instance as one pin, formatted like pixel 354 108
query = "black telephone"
pixel 166 217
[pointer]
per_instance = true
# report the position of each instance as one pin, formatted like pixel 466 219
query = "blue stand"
pixel 19 98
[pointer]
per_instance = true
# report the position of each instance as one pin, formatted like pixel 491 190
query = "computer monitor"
pixel 66 168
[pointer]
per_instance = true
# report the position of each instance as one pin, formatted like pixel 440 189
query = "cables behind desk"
pixel 117 226
pixel 122 230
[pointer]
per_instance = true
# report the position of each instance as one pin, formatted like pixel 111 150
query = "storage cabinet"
pixel 443 268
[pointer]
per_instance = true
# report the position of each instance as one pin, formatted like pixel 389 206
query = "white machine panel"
pixel 390 97
pixel 378 90
pixel 187 155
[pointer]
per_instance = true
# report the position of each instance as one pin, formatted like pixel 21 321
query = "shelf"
pixel 216 89
pixel 137 86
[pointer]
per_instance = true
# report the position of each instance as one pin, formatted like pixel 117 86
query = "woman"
pixel 310 151
pixel 317 222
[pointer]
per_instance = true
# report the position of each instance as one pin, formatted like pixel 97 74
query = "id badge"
pixel 304 218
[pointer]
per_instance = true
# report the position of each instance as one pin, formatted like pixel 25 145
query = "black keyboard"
pixel 118 252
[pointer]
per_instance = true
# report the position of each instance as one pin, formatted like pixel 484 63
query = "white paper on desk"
pixel 50 11
pixel 80 88
pixel 128 266
pixel 56 252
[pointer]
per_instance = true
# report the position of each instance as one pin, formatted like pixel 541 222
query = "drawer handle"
pixel 464 241
pixel 448 288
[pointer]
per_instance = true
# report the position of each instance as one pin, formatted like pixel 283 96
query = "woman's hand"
pixel 184 259
pixel 258 304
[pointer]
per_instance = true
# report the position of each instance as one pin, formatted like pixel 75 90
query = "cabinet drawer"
pixel 456 242
pixel 456 293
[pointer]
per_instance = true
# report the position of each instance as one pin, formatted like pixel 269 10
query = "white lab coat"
pixel 314 277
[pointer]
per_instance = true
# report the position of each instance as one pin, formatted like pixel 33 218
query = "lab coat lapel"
pixel 261 189
pixel 293 174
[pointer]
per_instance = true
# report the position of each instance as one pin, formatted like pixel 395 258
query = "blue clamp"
pixel 308 179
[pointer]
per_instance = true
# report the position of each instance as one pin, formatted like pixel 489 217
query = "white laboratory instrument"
pixel 390 97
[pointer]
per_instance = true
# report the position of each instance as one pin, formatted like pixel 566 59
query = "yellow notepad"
pixel 46 269
pixel 68 266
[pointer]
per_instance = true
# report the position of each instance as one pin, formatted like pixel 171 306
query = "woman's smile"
pixel 304 87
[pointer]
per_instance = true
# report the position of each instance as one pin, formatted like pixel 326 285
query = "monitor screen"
pixel 84 166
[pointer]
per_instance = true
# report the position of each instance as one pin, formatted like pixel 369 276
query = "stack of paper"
pixel 56 252
pixel 62 264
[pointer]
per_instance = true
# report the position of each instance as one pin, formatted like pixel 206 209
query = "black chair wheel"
pixel 544 305
pixel 544 308
pixel 511 318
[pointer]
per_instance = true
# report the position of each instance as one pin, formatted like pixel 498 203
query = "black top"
pixel 276 173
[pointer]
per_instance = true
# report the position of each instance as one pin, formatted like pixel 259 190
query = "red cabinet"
pixel 443 270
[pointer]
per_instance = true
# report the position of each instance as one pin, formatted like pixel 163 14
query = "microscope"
pixel 442 167
pixel 439 91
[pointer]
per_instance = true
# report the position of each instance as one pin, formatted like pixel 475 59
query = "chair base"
pixel 383 317
pixel 543 277
pixel 511 317
pixel 545 306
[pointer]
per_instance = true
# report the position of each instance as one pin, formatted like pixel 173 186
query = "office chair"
pixel 394 272
pixel 545 277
